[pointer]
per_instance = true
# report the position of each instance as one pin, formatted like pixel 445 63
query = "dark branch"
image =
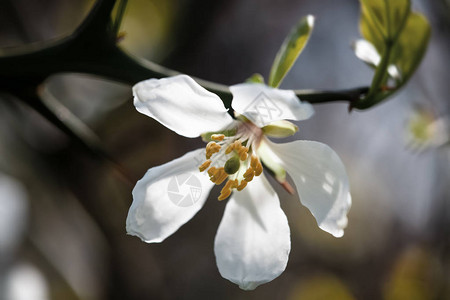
pixel 92 49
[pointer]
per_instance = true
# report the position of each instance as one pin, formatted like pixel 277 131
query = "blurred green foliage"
pixel 401 38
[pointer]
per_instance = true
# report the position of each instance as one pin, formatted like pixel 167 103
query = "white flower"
pixel 253 240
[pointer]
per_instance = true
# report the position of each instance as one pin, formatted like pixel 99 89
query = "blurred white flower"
pixel 425 130
pixel 253 240
pixel 13 215
pixel 26 282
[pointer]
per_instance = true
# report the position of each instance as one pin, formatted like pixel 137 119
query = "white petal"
pixel 253 240
pixel 167 197
pixel 181 104
pixel 366 52
pixel 262 104
pixel 321 181
pixel 394 72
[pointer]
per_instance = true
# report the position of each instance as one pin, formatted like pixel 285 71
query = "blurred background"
pixel 63 210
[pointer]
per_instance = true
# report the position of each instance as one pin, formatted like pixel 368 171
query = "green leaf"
pixel 383 20
pixel 290 50
pixel 398 12
pixel 372 23
pixel 400 37
pixel 411 45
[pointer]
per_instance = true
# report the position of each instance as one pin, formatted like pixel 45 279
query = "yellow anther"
pixel 243 156
pixel 212 171
pixel 254 161
pixel 248 175
pixel 229 149
pixel 218 176
pixel 249 178
pixel 217 137
pixel 249 172
pixel 215 175
pixel 227 185
pixel 210 145
pixel 235 183
pixel 211 148
pixel 221 177
pixel 237 144
pixel 243 149
pixel 230 184
pixel 242 185
pixel 204 166
pixel 258 169
pixel 224 194
pixel 256 165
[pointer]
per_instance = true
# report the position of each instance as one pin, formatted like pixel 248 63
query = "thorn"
pixel 350 107
pixel 121 36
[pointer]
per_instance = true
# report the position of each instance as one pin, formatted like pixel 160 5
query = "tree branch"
pixel 92 49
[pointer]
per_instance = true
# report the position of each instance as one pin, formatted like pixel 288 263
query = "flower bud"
pixel 280 129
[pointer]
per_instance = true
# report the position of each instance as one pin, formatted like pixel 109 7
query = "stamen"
pixel 235 183
pixel 205 165
pixel 215 175
pixel 226 190
pixel 212 171
pixel 242 150
pixel 230 184
pixel 253 161
pixel 243 153
pixel 221 176
pixel 242 185
pixel 229 149
pixel 243 156
pixel 224 194
pixel 218 137
pixel 248 175
pixel 248 172
pixel 211 148
pixel 259 169
pixel 256 165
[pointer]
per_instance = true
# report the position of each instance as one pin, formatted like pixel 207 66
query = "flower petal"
pixel 262 104
pixel 321 181
pixel 167 197
pixel 181 104
pixel 253 240
pixel 366 52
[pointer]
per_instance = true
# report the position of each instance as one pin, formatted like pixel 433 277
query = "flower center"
pixel 233 157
